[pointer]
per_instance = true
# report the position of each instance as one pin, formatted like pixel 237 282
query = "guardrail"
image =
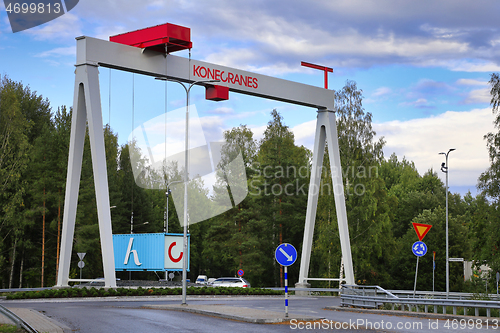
pixel 12 290
pixel 376 297
pixel 440 294
pixel 417 304
pixel 331 290
pixel 366 290
pixel 18 321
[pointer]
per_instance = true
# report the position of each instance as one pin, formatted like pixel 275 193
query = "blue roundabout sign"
pixel 419 248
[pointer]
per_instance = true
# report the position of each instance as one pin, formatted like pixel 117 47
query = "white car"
pixel 201 279
pixel 231 282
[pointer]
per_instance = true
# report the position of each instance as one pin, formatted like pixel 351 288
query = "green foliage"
pixel 6 328
pixel 383 196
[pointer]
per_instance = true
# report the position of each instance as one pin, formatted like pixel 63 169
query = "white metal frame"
pixel 92 53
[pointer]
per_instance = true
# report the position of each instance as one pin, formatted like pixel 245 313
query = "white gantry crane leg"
pixel 87 106
pixel 326 131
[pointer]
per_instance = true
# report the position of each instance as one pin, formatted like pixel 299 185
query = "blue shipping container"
pixel 139 252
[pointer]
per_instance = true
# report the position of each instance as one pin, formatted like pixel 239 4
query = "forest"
pixel 384 195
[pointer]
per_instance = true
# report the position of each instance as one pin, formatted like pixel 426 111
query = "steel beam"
pixel 142 61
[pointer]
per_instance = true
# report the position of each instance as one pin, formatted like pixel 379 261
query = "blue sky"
pixel 423 66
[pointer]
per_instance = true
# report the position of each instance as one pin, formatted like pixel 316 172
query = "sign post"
pixel 433 268
pixel 420 249
pixel 285 255
pixel 81 264
pixel 498 278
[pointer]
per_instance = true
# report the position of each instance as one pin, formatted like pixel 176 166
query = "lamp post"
pixel 444 168
pixel 186 177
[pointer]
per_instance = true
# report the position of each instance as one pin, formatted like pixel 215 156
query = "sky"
pixel 423 67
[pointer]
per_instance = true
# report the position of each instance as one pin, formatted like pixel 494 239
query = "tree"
pixel 404 261
pixel 489 181
pixel 233 240
pixel 14 158
pixel 282 188
pixel 366 196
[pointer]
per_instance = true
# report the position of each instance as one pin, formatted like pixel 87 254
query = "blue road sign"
pixel 285 254
pixel 241 272
pixel 419 249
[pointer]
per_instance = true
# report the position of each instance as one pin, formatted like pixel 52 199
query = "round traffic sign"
pixel 81 264
pixel 419 248
pixel 241 272
pixel 285 254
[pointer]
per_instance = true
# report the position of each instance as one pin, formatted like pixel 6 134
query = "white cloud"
pixel 420 103
pixel 58 52
pixel 267 39
pixel 304 134
pixel 478 96
pixel 222 110
pixel 258 131
pixel 471 82
pixel 464 65
pixel 421 140
pixel 63 28
pixel 382 91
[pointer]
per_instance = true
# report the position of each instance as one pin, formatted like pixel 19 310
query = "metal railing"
pixel 364 296
pixel 376 297
pixel 329 290
pixel 441 294
pixel 17 320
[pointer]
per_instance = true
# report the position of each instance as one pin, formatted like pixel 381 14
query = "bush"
pixel 84 292
pixel 73 293
pixel 93 292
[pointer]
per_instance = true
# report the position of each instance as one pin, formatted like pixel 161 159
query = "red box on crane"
pixel 216 93
pixel 163 38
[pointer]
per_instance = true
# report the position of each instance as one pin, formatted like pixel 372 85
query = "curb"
pixel 247 315
pixel 38 322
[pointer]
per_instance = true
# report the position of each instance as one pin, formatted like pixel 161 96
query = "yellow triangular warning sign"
pixel 421 230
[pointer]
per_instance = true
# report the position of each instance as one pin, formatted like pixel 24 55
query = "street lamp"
pixel 132 223
pixel 444 168
pixel 186 176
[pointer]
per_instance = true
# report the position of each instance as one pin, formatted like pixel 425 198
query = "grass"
pixel 6 328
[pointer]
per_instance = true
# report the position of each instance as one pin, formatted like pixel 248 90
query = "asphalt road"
pixel 127 315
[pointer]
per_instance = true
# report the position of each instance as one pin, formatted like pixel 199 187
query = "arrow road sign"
pixel 285 254
pixel 419 248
